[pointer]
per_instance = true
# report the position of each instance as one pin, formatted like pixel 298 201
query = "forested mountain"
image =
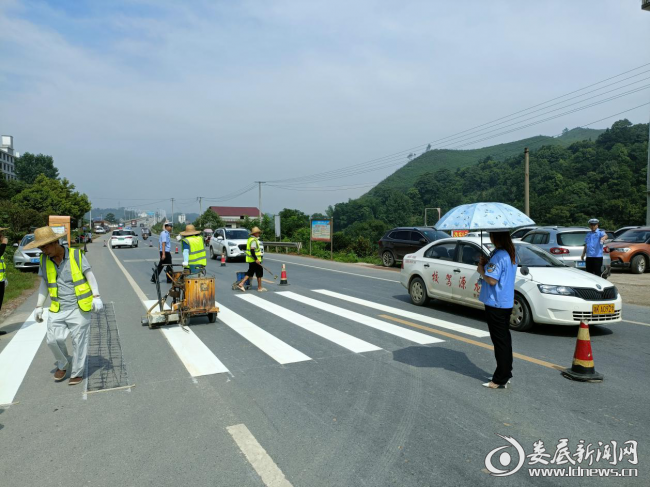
pixel 603 178
pixel 432 160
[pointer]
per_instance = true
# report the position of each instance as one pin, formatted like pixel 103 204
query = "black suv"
pixel 401 241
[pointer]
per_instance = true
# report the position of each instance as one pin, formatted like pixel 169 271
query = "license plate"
pixel 36 260
pixel 602 309
pixel 581 263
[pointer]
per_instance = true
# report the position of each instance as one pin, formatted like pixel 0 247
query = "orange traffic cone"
pixel 176 250
pixel 582 368
pixel 223 259
pixel 283 276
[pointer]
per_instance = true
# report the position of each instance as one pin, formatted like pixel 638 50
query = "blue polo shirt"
pixel 592 242
pixel 164 240
pixel 501 268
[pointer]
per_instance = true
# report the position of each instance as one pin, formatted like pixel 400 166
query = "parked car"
pixel 124 238
pixel 398 242
pixel 228 241
pixel 566 244
pixel 546 290
pixel 631 250
pixel 100 229
pixel 26 259
pixel 622 230
pixel 520 232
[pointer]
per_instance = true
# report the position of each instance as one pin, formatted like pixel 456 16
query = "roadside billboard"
pixel 321 231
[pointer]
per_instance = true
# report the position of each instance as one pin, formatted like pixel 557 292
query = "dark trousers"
pixel 2 292
pixel 498 321
pixel 594 265
pixel 166 261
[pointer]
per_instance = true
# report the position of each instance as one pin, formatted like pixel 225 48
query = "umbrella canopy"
pixel 493 217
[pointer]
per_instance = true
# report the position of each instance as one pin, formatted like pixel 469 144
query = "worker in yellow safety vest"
pixel 254 256
pixel 72 288
pixel 4 282
pixel 194 257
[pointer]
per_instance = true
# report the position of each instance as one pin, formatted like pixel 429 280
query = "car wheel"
pixel 638 264
pixel 521 318
pixel 387 259
pixel 212 254
pixel 418 292
pixel 212 317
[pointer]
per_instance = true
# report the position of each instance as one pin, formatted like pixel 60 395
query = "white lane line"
pixel 468 330
pixel 263 464
pixel 353 344
pixel 275 348
pixel 636 322
pixel 17 356
pixel 411 335
pixel 195 355
pixel 331 270
pixel 141 260
pixel 197 358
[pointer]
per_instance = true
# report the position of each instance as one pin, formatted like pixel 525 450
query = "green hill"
pixel 405 177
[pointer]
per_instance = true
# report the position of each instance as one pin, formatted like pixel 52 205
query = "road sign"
pixel 321 231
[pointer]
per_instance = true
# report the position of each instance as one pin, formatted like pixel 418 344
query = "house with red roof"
pixel 233 216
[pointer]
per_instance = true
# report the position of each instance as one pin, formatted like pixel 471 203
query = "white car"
pixel 229 241
pixel 546 290
pixel 99 230
pixel 124 238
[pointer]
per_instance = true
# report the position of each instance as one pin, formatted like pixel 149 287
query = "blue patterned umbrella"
pixel 493 217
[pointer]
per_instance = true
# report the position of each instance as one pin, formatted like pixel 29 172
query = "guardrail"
pixel 285 245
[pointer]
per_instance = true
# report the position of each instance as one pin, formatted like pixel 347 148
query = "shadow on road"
pixel 442 358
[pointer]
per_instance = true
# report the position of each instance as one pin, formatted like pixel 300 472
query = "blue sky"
pixel 160 99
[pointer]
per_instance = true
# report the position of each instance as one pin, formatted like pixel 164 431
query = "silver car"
pixel 26 259
pixel 566 244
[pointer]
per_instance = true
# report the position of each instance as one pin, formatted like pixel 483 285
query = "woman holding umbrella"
pixel 498 295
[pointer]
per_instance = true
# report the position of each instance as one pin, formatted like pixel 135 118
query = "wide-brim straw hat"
pixel 43 236
pixel 255 230
pixel 190 230
pixel 3 228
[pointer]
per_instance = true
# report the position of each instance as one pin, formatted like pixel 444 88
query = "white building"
pixel 7 157
pixel 181 218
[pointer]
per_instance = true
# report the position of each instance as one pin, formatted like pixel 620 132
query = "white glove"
pixel 186 264
pixel 178 237
pixel 97 305
pixel 38 314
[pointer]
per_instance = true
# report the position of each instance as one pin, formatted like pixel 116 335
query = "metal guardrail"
pixel 286 245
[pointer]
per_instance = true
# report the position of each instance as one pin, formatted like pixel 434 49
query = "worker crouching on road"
pixel 254 256
pixel 73 291
pixel 194 257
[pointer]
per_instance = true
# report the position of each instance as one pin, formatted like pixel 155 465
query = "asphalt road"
pixel 313 393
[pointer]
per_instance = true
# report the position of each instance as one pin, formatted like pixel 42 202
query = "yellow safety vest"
pixel 3 268
pixel 81 287
pixel 197 250
pixel 258 251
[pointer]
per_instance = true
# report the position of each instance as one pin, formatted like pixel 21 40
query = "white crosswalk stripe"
pixel 269 344
pixel 332 334
pixel 413 336
pixel 468 330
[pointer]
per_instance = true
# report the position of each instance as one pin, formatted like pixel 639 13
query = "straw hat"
pixel 43 236
pixel 3 228
pixel 255 230
pixel 190 230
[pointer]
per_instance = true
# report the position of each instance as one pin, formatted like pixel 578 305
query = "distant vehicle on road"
pixel 546 290
pixel 100 230
pixel 631 250
pixel 398 242
pixel 124 238
pixel 146 233
pixel 566 244
pixel 228 241
pixel 622 230
pixel 142 224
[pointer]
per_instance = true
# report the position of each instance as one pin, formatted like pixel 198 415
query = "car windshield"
pixel 572 239
pixel 123 232
pixel 237 234
pixel 634 236
pixel 27 239
pixel 532 256
pixel 434 234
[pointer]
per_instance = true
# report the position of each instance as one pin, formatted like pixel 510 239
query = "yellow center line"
pixel 473 342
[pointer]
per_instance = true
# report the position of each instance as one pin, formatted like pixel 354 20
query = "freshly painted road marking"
pixel 17 356
pixel 468 330
pixel 332 334
pixel 195 355
pixel 635 322
pixel 261 461
pixel 141 260
pixel 413 336
pixel 473 342
pixel 331 270
pixel 275 348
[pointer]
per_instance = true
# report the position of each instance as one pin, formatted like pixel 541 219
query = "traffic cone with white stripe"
pixel 582 368
pixel 176 250
pixel 223 259
pixel 283 276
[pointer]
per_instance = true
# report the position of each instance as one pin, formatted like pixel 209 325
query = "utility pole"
pixel 260 183
pixel 526 183
pixel 647 192
pixel 172 216
pixel 200 206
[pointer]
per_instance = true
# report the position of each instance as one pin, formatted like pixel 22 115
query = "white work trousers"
pixel 77 322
